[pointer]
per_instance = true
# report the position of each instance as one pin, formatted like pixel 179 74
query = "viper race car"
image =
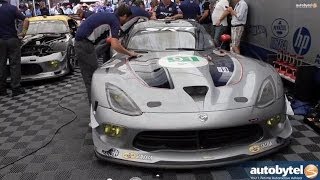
pixel 184 103
pixel 47 50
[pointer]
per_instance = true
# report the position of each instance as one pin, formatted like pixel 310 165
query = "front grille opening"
pixel 27 69
pixel 197 93
pixel 195 140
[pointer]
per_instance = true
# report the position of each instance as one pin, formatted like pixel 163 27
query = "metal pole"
pixel 49 6
pixel 34 8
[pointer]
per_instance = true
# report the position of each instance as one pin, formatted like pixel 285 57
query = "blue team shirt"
pixel 9 14
pixel 163 11
pixel 99 26
pixel 190 9
pixel 138 11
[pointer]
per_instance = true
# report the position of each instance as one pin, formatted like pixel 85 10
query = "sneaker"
pixel 18 91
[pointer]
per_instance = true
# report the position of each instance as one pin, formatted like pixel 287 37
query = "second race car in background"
pixel 47 51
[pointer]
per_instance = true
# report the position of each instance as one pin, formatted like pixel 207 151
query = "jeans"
pixel 88 62
pixel 217 31
pixel 10 49
pixel 208 27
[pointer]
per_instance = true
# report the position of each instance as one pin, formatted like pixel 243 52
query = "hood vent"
pixel 197 93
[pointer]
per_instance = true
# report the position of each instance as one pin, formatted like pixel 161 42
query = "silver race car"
pixel 47 50
pixel 185 103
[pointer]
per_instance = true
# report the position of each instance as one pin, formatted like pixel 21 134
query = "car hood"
pixel 165 82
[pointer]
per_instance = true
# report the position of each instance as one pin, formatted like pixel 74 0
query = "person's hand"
pixel 218 23
pixel 169 18
pixel 230 9
pixel 21 36
pixel 133 55
pixel 153 18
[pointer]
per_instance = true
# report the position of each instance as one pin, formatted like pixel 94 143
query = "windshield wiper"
pixel 141 50
pixel 185 49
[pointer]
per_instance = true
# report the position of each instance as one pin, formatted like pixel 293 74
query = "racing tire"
pixel 71 58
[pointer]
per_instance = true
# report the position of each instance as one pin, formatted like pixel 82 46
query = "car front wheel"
pixel 72 60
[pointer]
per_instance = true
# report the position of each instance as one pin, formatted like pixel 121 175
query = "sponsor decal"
pixel 301 41
pixel 317 61
pixel 280 28
pixel 166 14
pixel 255 30
pixel 254 148
pixel 285 171
pixel 278 44
pixel 133 156
pixel 182 61
pixel 260 147
pixel 111 152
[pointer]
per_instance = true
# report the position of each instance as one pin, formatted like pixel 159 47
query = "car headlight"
pixel 54 64
pixel 120 102
pixel 267 94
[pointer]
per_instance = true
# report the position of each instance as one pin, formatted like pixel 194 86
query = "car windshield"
pixel 44 27
pixel 170 38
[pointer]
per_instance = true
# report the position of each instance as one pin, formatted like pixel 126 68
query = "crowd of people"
pixel 101 21
pixel 212 14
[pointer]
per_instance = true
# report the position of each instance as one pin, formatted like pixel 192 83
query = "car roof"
pixel 50 18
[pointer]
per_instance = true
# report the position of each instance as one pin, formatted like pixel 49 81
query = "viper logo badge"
pixel 203 117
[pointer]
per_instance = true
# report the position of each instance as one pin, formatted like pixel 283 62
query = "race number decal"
pixel 223 69
pixel 182 61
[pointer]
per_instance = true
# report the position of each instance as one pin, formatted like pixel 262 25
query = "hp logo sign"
pixel 301 41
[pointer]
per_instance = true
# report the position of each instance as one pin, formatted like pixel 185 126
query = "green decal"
pixel 194 58
pixel 183 59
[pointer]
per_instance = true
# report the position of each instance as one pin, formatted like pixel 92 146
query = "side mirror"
pixel 224 38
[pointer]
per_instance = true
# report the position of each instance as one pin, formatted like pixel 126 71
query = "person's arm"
pixel 116 45
pixel 204 16
pixel 241 11
pixel 206 12
pixel 225 6
pixel 154 14
pixel 224 15
pixel 177 16
pixel 25 25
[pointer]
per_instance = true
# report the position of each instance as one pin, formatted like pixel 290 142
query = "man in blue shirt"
pixel 138 9
pixel 10 47
pixel 98 27
pixel 167 10
pixel 190 9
